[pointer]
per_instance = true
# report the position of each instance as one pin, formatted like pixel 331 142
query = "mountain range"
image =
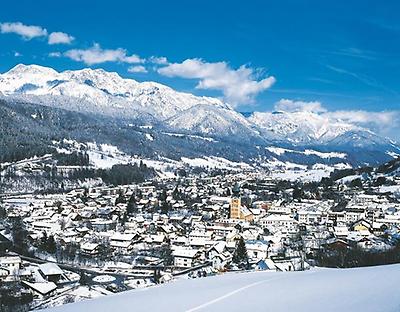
pixel 151 119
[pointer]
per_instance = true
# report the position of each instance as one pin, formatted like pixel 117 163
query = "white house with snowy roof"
pixel 185 258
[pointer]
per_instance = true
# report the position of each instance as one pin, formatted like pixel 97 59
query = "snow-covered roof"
pixel 122 237
pixel 279 217
pixel 185 253
pixel 42 288
pixel 89 246
pixel 50 269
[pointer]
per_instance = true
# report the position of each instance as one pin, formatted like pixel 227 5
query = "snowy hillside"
pixel 328 290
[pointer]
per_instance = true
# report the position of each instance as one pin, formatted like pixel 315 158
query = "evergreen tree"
pixel 163 196
pixel 166 207
pixel 240 256
pixel 43 241
pixel 19 235
pixel 356 183
pixel 131 207
pixel 138 194
pixel 166 255
pixel 84 279
pixel 120 199
pixel 297 193
pixel 176 193
pixel 51 245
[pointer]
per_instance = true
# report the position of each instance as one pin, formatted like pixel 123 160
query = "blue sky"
pixel 344 55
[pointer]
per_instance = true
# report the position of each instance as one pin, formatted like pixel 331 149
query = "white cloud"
pixel 137 69
pixel 239 86
pixel 160 60
pixel 17 54
pixel 365 117
pixel 97 55
pixel 60 38
pixel 293 106
pixel 386 123
pixel 55 54
pixel 25 31
pixel 29 32
pixel 131 59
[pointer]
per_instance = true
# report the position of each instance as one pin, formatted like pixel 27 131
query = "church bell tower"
pixel 235 203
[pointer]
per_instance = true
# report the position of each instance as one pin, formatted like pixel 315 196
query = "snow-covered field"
pixel 293 172
pixel 372 289
pixel 215 162
pixel 280 151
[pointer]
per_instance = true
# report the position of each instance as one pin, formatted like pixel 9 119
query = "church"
pixel 237 211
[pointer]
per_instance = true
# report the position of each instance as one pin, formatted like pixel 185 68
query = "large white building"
pixel 284 223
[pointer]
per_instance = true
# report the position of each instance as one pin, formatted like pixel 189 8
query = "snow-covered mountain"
pixel 106 94
pixel 215 121
pixel 300 127
pixel 309 129
pixel 97 91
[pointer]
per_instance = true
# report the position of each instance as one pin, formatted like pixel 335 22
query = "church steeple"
pixel 235 202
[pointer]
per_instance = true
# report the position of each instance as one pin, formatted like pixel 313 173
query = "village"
pixel 90 242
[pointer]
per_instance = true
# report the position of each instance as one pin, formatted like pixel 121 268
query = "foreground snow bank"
pixel 370 289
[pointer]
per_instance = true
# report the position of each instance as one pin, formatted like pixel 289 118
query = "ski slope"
pixel 372 289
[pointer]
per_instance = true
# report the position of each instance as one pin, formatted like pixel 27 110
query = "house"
pixel 123 242
pixel 222 260
pixel 252 234
pixel 46 226
pixel 90 249
pixel 282 222
pixel 341 231
pixel 51 272
pixel 165 278
pixel 221 230
pixel 167 229
pixel 362 225
pixel 308 216
pixel 185 258
pixel 265 264
pixel 155 240
pixel 219 255
pixel 354 214
pixel 216 249
pixel 10 264
pixel 40 290
pixel 200 238
pixel 103 224
pixel 257 249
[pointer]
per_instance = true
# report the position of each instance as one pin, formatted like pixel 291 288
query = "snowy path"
pixel 373 289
